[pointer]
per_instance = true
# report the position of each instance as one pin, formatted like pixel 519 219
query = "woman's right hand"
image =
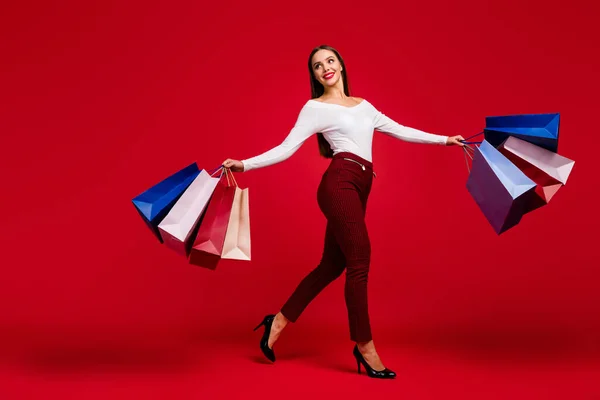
pixel 234 165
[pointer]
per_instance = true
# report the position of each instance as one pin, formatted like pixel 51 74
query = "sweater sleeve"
pixel 306 125
pixel 388 126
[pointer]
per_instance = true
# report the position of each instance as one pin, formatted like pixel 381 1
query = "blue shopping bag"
pixel 499 188
pixel 539 129
pixel 154 204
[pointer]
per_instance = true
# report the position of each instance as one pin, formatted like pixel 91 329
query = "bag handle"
pixel 468 151
pixel 223 171
pixel 229 173
pixel 471 137
pixel 214 171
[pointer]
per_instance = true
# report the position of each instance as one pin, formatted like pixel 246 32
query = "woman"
pixel 344 127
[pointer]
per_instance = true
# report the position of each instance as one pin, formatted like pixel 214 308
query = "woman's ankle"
pixel 281 320
pixel 366 347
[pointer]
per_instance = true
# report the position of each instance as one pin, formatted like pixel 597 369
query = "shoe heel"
pixel 259 325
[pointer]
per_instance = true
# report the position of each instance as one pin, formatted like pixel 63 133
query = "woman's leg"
pixel 331 267
pixel 350 231
pixel 347 219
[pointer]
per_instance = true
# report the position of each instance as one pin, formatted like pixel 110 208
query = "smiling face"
pixel 326 67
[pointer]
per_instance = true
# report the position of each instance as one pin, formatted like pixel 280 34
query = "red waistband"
pixel 354 157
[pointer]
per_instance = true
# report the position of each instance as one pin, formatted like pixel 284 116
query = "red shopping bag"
pixel 208 245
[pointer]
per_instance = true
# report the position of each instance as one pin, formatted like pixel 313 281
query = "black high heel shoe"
pixel 264 341
pixel 384 374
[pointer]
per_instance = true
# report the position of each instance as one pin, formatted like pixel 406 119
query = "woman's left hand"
pixel 455 140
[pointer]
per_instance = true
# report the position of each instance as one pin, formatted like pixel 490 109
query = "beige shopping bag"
pixel 237 238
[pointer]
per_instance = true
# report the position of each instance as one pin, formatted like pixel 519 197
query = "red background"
pixel 100 100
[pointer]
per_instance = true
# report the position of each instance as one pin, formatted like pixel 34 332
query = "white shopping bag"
pixel 546 168
pixel 177 227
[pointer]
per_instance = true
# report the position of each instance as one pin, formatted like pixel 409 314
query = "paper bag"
pixel 154 204
pixel 237 238
pixel 177 227
pixel 498 187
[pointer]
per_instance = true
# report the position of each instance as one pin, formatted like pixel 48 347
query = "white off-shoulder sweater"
pixel 347 129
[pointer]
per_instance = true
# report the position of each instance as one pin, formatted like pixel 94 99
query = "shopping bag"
pixel 547 169
pixel 498 187
pixel 156 202
pixel 208 245
pixel 237 238
pixel 539 129
pixel 177 227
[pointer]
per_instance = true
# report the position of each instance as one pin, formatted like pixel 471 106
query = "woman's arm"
pixel 390 127
pixel 306 125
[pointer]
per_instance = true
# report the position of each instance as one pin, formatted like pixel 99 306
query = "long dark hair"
pixel 317 90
